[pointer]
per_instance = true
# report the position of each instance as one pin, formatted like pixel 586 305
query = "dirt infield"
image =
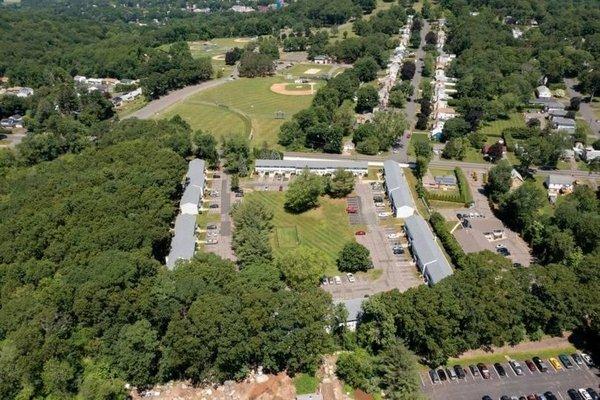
pixel 280 88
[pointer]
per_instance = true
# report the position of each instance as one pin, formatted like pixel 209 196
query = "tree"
pixel 232 56
pixel 399 373
pixel 367 99
pixel 455 128
pixel 590 83
pixel 354 257
pixel 136 352
pixel 499 180
pixel 301 267
pixel 357 369
pixel 408 70
pixel 303 193
pixel 366 69
pixel 206 147
pixel 431 38
pixel 58 377
pixel 341 184
pixel 255 64
pixel 520 206
pixel 423 149
pixel 455 148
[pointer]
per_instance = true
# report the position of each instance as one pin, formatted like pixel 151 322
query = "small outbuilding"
pixel 542 92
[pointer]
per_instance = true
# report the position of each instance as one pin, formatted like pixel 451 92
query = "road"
pixel 433 163
pixel 585 109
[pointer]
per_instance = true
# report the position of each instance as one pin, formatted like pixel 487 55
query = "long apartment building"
pixel 319 167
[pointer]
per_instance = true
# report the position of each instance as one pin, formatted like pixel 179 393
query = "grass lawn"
pixel 249 100
pixel 305 384
pixel 216 46
pixel 325 228
pixel 441 171
pixel 502 356
pixel 494 129
pixel 416 137
pixel 300 69
pixel 131 106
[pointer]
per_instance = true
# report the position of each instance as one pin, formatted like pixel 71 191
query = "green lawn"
pixel 494 129
pixel 249 101
pixel 216 46
pixel 325 228
pixel 300 69
pixel 131 106
pixel 502 356
pixel 416 137
pixel 305 384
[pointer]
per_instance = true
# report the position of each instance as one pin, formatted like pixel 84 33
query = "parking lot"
pixel 398 271
pixel 475 387
pixel 219 193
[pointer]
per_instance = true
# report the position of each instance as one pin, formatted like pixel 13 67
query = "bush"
pixel 354 257
pixel 463 186
pixel 449 242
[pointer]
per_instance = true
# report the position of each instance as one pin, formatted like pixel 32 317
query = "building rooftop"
pixel 563 121
pixel 353 306
pixel 449 180
pixel 427 250
pixel 195 173
pixel 311 164
pixel 396 184
pixel 559 180
pixel 191 194
pixel 183 243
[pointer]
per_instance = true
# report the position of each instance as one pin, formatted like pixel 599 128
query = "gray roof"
pixel 427 250
pixel 563 121
pixel 311 164
pixel 191 194
pixel 558 113
pixel 559 180
pixel 397 186
pixel 353 306
pixel 195 173
pixel 449 180
pixel 554 104
pixel 183 243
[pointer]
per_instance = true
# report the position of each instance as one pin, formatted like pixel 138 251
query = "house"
pixel 542 92
pixel 242 9
pixel 558 113
pixel 590 154
pixel 552 105
pixel 563 124
pixel 16 121
pixel 426 251
pixel 80 79
pixel 194 188
pixel 183 244
pixel 354 309
pixel 322 59
pixel 398 190
pixel 559 182
pixel 319 167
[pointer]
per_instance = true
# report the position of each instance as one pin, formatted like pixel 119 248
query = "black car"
pixel 550 396
pixel 540 364
pixel 434 376
pixel 573 395
pixel 214 206
pixel 505 397
pixel 474 370
pixel 593 393
pixel 500 369
pixel 503 251
pixel 441 374
pixel 565 360
pixel 211 226
pixel 486 398
pixel 460 372
pixel 577 358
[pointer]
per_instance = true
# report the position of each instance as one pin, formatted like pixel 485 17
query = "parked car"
pixel 384 214
pixel 351 277
pixel 331 280
pixel 393 235
pixel 573 394
pixel 555 363
pixel 532 397
pixel 474 370
pixel 398 249
pixel 337 280
pixel 211 226
pixel 324 281
pixel 451 374
pixel 584 394
pixel 550 396
pixel 483 369
pixel 351 210
pixel 587 359
pixel 486 397
pixel 530 365
pixel 360 233
pixel 460 372
pixel 505 397
pixel 500 369
pixel 540 364
pixel 214 206
pixel 516 367
pixel 434 376
pixel 565 360
pixel 212 241
pixel 593 393
pixel 441 374
pixel 577 358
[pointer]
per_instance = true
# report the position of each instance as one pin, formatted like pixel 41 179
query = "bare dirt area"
pixel 281 88
pixel 256 387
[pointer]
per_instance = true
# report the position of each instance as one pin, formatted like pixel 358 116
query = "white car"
pixel 587 359
pixel 584 394
pixel 351 277
pixel 337 280
pixel 384 214
pixel 393 235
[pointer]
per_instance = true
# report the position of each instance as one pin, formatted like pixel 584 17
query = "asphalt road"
pixel 585 109
pixel 474 388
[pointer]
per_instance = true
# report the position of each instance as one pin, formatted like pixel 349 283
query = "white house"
pixel 322 59
pixel 559 182
pixel 590 154
pixel 319 167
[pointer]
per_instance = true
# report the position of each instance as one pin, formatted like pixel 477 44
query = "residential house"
pixel 426 251
pixel 398 190
pixel 558 184
pixel 542 92
pixel 15 121
pixel 563 124
pixel 354 308
pixel 446 181
pixel 322 59
pixel 590 154
pixel 558 113
pixel 242 9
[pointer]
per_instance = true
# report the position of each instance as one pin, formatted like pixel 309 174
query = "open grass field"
pixel 248 100
pixel 325 228
pixel 217 46
pixel 307 69
pixel 305 384
pixel 519 355
pixel 493 130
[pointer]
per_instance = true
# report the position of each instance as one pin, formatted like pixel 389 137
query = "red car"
pixel 360 233
pixel 530 365
pixel 351 209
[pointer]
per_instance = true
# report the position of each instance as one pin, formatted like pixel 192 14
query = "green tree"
pixel 367 99
pixel 303 193
pixel 366 69
pixel 455 148
pixel 58 377
pixel 358 369
pixel 205 146
pixel 136 352
pixel 399 373
pixel 455 128
pixel 499 180
pixel 341 183
pixel 302 267
pixel 521 206
pixel 354 257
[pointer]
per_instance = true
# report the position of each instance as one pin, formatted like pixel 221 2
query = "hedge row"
pixel 509 141
pixel 463 186
pixel 449 242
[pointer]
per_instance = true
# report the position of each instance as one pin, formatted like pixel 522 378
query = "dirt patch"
pixel 281 88
pixel 219 57
pixel 312 71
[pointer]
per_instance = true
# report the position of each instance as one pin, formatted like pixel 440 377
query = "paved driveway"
pixel 398 271
pixel 223 247
pixel 585 109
